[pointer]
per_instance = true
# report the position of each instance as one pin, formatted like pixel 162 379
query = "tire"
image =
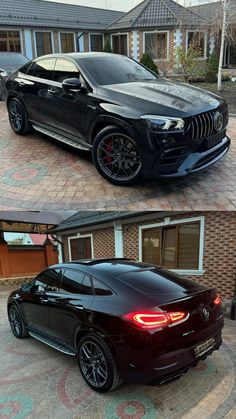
pixel 18 117
pixel 101 377
pixel 108 153
pixel 16 323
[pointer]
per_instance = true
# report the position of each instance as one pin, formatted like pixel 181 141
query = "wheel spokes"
pixel 93 364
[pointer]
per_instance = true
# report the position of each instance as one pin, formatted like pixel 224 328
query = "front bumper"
pixel 196 161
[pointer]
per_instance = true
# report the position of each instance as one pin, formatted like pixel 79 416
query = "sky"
pixel 123 5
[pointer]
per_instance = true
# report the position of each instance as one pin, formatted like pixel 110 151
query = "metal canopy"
pixel 38 222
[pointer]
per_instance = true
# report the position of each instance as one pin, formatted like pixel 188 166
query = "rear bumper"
pixel 143 366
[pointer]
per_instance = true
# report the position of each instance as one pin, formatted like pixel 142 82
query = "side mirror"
pixel 73 84
pixel 26 287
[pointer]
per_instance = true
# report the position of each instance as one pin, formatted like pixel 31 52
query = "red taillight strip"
pixel 155 320
pixel 217 300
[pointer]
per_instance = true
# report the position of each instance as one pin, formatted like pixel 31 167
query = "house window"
pixel 80 248
pixel 10 41
pixel 172 246
pixel 96 42
pixel 43 43
pixel 119 44
pixel 67 42
pixel 156 45
pixel 198 39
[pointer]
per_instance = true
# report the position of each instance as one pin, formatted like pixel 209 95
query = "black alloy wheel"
pixel 97 365
pixel 16 323
pixel 116 157
pixel 18 117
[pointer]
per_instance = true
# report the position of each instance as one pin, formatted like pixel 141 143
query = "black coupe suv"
pixel 123 320
pixel 135 124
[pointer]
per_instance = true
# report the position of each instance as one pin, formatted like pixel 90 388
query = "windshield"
pixel 114 69
pixel 10 59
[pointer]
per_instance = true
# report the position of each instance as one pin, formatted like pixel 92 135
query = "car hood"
pixel 164 97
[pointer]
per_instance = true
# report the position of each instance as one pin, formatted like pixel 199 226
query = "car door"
pixel 68 111
pixel 70 308
pixel 33 88
pixel 35 305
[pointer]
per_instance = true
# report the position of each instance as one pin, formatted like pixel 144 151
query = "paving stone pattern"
pixel 39 382
pixel 37 172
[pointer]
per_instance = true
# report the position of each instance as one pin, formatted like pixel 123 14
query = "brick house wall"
pixel 219 257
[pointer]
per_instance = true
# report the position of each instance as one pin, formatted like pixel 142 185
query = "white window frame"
pixel 70 32
pixel 168 44
pixel 168 222
pixel 80 236
pixel 35 42
pixel 21 36
pixel 205 42
pixel 118 34
pixel 96 33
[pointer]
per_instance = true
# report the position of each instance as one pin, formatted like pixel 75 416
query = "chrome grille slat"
pixel 202 125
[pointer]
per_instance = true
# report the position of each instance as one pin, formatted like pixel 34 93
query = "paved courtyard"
pixel 37 172
pixel 38 382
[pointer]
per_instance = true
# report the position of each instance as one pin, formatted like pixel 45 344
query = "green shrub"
pixel 212 68
pixel 226 77
pixel 107 46
pixel 187 62
pixel 149 63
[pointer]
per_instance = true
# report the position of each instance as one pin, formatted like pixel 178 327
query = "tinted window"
pixel 76 282
pixel 115 70
pixel 65 69
pixel 26 68
pixel 100 288
pixel 49 280
pixel 160 282
pixel 42 69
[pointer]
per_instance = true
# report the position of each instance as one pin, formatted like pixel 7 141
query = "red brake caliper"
pixel 108 148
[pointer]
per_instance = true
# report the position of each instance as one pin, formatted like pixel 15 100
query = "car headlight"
pixel 164 123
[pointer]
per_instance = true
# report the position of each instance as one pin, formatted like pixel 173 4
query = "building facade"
pixel 198 245
pixel 158 27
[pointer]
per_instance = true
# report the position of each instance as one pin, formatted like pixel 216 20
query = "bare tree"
pixel 156 47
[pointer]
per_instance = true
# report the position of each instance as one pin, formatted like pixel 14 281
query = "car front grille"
pixel 202 125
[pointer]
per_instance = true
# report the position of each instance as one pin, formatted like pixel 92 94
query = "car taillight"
pixel 154 320
pixel 217 300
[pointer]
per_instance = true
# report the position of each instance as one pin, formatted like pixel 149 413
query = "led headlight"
pixel 164 123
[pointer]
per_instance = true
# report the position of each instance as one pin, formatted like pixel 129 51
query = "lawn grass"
pixel 228 92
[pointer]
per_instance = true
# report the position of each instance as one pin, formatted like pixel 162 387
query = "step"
pixel 53 344
pixel 62 138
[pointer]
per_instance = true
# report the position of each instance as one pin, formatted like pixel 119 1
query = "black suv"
pixel 123 320
pixel 135 124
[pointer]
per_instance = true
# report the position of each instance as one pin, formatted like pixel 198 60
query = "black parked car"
pixel 9 62
pixel 123 320
pixel 135 124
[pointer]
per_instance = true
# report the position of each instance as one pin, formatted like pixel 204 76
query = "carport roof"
pixel 31 221
pixel 39 13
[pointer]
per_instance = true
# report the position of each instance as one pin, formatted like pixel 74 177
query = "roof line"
pixel 126 13
pixel 77 5
pixel 135 20
pixel 163 2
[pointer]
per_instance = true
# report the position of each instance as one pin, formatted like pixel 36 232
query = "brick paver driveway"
pixel 38 382
pixel 37 172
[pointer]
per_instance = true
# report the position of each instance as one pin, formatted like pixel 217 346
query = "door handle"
pixel 44 300
pixel 21 83
pixel 80 307
pixel 52 91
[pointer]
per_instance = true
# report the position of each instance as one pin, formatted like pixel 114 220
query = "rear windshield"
pixel 12 59
pixel 159 281
pixel 115 70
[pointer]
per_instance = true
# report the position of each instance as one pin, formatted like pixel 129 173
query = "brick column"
pixel 49 253
pixel 4 260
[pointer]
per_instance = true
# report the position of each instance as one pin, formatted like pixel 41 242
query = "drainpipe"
pixel 60 248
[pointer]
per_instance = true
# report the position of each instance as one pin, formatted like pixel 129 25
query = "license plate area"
pixel 204 347
pixel 215 139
